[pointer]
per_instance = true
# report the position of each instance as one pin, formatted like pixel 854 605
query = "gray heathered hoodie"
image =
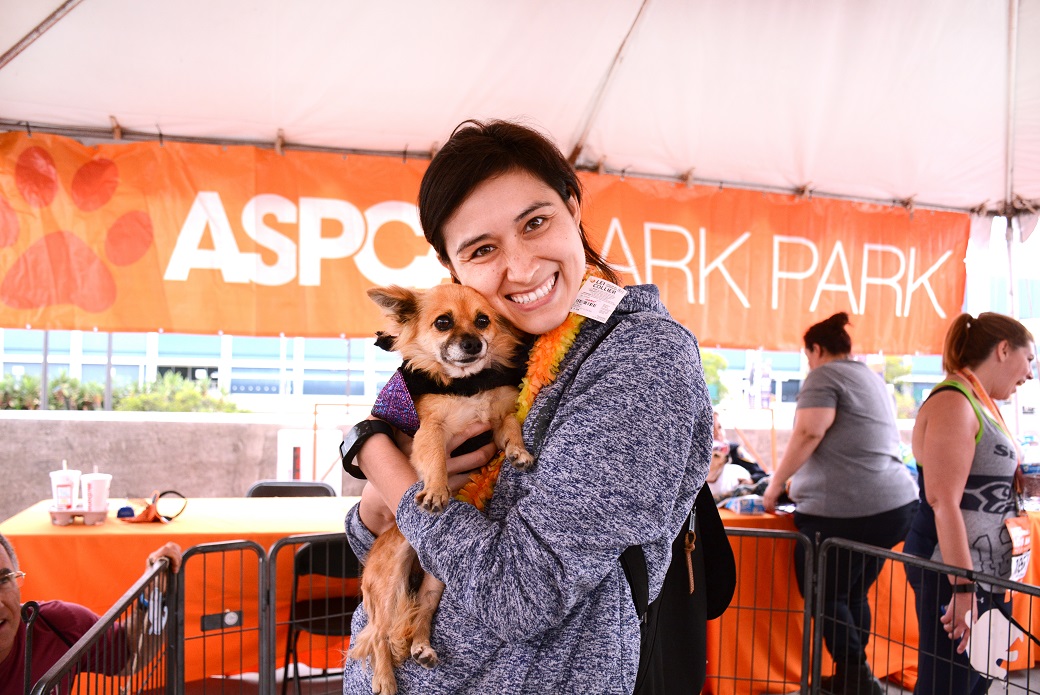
pixel 536 601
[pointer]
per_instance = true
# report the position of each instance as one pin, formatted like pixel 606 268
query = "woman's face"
pixel 1017 369
pixel 517 242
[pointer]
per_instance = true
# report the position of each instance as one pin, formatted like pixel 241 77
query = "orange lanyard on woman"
pixel 987 401
pixel 1019 527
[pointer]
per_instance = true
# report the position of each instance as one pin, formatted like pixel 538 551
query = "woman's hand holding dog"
pixel 390 474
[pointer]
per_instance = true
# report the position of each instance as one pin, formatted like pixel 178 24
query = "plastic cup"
pixel 95 491
pixel 65 488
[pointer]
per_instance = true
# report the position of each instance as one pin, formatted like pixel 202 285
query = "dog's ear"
pixel 398 303
pixel 385 341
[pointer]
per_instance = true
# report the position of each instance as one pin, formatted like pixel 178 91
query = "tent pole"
pixel 38 31
pixel 108 374
pixel 597 100
pixel 44 390
pixel 1009 235
pixel 1009 130
pixel 1009 168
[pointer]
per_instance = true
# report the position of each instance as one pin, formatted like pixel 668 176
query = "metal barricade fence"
pixel 220 627
pixel 224 616
pixel 761 644
pixel 125 651
pixel 1002 644
pixel 255 619
pixel 315 586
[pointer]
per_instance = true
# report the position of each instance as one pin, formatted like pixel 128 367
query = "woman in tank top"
pixel 967 461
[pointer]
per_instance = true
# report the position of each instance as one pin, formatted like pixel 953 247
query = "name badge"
pixel 1021 545
pixel 597 299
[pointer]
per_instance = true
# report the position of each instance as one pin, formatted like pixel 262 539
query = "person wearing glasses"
pixel 59 624
pixel 733 452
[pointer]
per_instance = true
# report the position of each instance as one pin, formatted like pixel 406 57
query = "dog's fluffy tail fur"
pixel 385 642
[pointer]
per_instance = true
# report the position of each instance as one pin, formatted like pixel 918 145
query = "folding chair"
pixel 327 611
pixel 291 488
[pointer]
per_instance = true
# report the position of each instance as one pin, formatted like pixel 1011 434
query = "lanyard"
pixel 987 401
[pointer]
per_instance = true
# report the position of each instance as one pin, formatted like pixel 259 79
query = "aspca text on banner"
pixel 300 260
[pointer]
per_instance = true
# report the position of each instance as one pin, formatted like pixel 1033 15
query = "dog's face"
pixel 447 331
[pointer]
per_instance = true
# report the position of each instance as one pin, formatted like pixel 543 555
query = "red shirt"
pixel 58 626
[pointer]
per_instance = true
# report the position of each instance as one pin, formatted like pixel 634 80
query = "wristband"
pixel 968 588
pixel 355 438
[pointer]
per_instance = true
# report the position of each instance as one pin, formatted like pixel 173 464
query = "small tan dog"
pixel 459 364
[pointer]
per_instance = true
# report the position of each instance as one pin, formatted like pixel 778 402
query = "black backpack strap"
pixel 633 562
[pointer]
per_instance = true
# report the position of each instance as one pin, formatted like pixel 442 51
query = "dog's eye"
pixel 482 321
pixel 443 323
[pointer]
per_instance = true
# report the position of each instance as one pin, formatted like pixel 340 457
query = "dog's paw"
pixel 433 500
pixel 520 459
pixel 384 683
pixel 425 655
pixel 384 686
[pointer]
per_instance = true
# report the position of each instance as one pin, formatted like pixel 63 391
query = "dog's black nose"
pixel 471 344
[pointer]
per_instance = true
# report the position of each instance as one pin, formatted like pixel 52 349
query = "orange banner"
pixel 206 239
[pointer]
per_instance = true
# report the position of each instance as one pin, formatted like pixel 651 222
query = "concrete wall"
pixel 197 454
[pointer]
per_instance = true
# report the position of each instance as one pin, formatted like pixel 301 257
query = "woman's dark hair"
pixel 969 341
pixel 478 151
pixel 830 334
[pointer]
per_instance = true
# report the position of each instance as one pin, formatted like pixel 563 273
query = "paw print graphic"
pixel 62 268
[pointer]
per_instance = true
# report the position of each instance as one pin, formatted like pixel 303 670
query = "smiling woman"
pixel 619 424
pixel 516 242
pixel 967 461
pixel 491 150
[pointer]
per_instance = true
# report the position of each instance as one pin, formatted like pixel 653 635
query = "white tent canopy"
pixel 930 103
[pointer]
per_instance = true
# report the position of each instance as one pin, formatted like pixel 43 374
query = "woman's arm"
pixel 622 459
pixel 389 478
pixel 810 424
pixel 944 443
pixel 389 475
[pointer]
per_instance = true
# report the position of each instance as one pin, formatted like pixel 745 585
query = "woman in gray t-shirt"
pixel 848 481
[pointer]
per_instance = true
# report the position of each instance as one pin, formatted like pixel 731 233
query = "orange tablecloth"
pixel 757 645
pixel 95 565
